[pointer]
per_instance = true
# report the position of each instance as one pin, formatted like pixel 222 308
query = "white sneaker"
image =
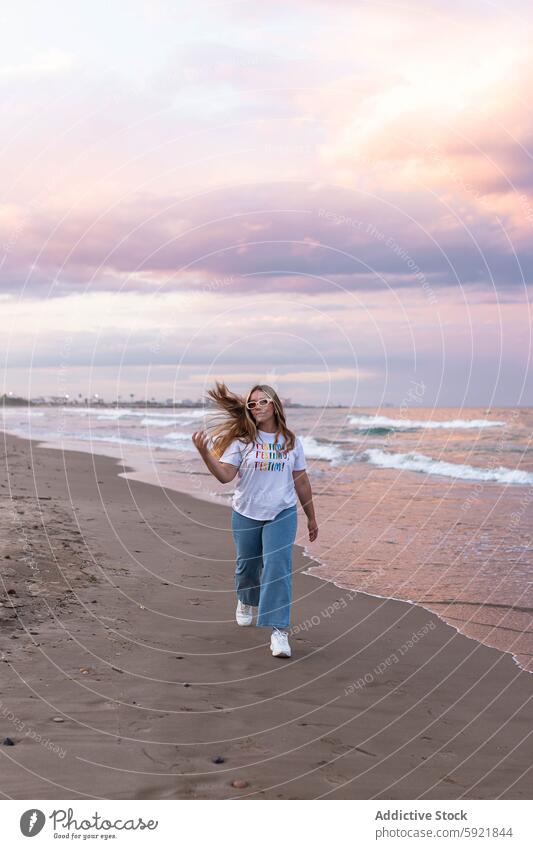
pixel 279 643
pixel 244 613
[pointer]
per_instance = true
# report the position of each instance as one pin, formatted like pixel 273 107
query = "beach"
pixel 125 675
pixel 428 506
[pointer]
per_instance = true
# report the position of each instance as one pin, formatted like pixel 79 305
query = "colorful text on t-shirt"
pixel 270 456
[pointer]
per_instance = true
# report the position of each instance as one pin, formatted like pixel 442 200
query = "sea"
pixel 431 506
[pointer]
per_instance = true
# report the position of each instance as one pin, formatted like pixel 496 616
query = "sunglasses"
pixel 263 402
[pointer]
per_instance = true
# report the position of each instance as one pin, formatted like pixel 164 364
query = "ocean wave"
pixel 179 437
pixel 19 411
pixel 414 462
pixel 141 442
pixel 321 450
pixel 380 424
pixel 151 444
pixel 156 418
pixel 162 421
pixel 190 414
pixel 91 411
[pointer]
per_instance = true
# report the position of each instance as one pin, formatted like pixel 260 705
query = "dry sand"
pixel 117 617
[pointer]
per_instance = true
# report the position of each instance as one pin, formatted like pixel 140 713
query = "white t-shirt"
pixel 265 485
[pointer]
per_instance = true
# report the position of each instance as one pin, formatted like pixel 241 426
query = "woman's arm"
pixel 302 485
pixel 224 472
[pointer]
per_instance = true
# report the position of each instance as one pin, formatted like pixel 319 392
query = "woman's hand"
pixel 312 527
pixel 224 472
pixel 200 439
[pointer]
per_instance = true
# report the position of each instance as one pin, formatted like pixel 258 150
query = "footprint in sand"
pixel 335 777
pixel 340 748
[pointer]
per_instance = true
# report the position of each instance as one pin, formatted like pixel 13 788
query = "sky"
pixel 334 198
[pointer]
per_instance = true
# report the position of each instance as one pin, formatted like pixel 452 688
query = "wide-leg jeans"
pixel 263 573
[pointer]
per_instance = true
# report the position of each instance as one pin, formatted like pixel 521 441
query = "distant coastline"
pixel 57 401
pixel 18 401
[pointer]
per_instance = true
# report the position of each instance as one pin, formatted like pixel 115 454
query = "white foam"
pixel 90 411
pixel 163 421
pixel 147 417
pixel 414 462
pixel 20 411
pixel 364 422
pixel 190 414
pixel 179 437
pixel 321 450
pixel 111 439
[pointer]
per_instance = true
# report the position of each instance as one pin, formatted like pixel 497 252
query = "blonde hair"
pixel 239 423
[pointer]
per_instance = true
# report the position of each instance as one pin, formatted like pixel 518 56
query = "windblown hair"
pixel 239 423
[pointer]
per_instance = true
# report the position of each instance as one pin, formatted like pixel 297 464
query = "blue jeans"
pixel 263 574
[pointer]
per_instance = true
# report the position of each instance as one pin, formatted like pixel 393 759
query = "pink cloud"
pixel 285 236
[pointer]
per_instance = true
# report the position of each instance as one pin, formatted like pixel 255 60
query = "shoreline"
pixel 137 473
pixel 423 607
pixel 356 713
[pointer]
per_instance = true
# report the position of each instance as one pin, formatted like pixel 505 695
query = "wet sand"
pixel 117 618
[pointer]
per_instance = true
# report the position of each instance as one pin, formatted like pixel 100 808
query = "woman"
pixel 255 443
